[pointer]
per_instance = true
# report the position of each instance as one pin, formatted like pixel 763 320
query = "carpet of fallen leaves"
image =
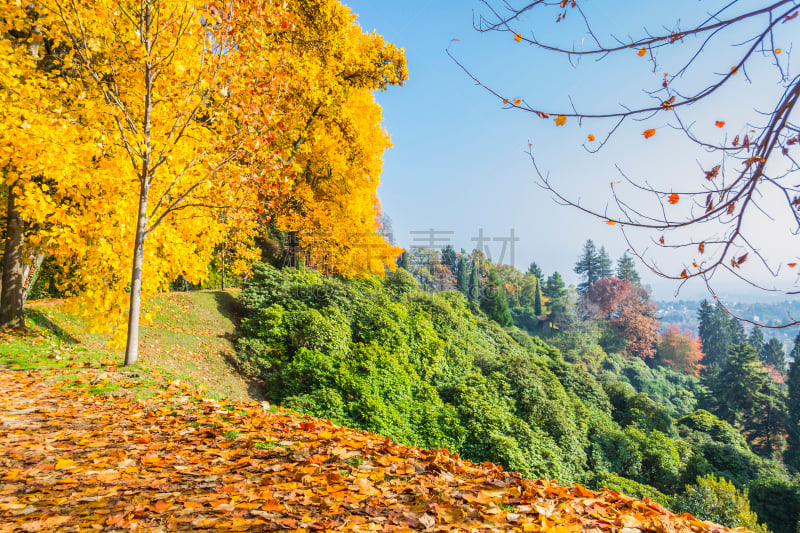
pixel 76 462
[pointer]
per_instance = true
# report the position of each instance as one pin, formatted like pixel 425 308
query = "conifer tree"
pixel 743 395
pixel 537 303
pixel 462 276
pixel 626 269
pixel 588 266
pixel 535 270
pixel 494 302
pixel 718 332
pixel 756 340
pixel 450 259
pixel 473 285
pixel 773 354
pixel 605 265
pixel 402 262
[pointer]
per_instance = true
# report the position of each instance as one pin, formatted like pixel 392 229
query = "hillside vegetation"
pixel 430 370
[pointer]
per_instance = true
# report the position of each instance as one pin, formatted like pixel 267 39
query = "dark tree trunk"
pixel 12 295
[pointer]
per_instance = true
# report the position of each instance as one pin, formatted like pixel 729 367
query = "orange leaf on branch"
pixel 719 123
pixel 642 51
pixel 649 133
pixel 560 120
pixel 673 198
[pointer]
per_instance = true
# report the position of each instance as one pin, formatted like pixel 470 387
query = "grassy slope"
pixel 189 339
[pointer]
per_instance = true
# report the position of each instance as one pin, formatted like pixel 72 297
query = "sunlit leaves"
pixel 280 470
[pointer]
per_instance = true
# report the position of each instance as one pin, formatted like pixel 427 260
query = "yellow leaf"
pixel 611 222
pixel 591 137
pixel 560 120
pixel 62 464
pixel 517 37
pixel 642 51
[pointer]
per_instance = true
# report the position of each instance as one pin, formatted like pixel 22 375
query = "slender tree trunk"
pixel 223 270
pixel 132 346
pixel 12 296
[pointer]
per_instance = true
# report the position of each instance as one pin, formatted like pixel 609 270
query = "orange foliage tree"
pixel 680 350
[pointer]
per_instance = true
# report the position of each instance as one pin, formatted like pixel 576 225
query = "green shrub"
pixel 717 500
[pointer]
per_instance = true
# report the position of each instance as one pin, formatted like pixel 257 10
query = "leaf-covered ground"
pixel 73 461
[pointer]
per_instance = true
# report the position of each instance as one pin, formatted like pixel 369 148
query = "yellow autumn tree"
pixel 174 100
pixel 334 142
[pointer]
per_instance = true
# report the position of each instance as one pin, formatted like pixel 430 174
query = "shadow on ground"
pixel 39 318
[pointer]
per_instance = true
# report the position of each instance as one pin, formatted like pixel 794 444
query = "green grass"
pixel 190 340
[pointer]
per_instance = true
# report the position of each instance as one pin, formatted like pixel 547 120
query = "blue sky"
pixel 459 162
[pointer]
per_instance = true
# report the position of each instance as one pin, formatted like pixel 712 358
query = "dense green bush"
pixel 718 500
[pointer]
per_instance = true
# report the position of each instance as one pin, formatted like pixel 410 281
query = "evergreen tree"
pixel 626 269
pixel 462 276
pixel 494 302
pixel 718 332
pixel 537 304
pixel 744 396
pixel 473 286
pixel 535 270
pixel 773 354
pixel 588 266
pixel 767 425
pixel 757 340
pixel 605 265
pixel 554 289
pixel 792 455
pixel 450 259
pixel 404 260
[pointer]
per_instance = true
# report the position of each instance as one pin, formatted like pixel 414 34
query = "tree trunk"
pixel 132 347
pixel 223 270
pixel 12 297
